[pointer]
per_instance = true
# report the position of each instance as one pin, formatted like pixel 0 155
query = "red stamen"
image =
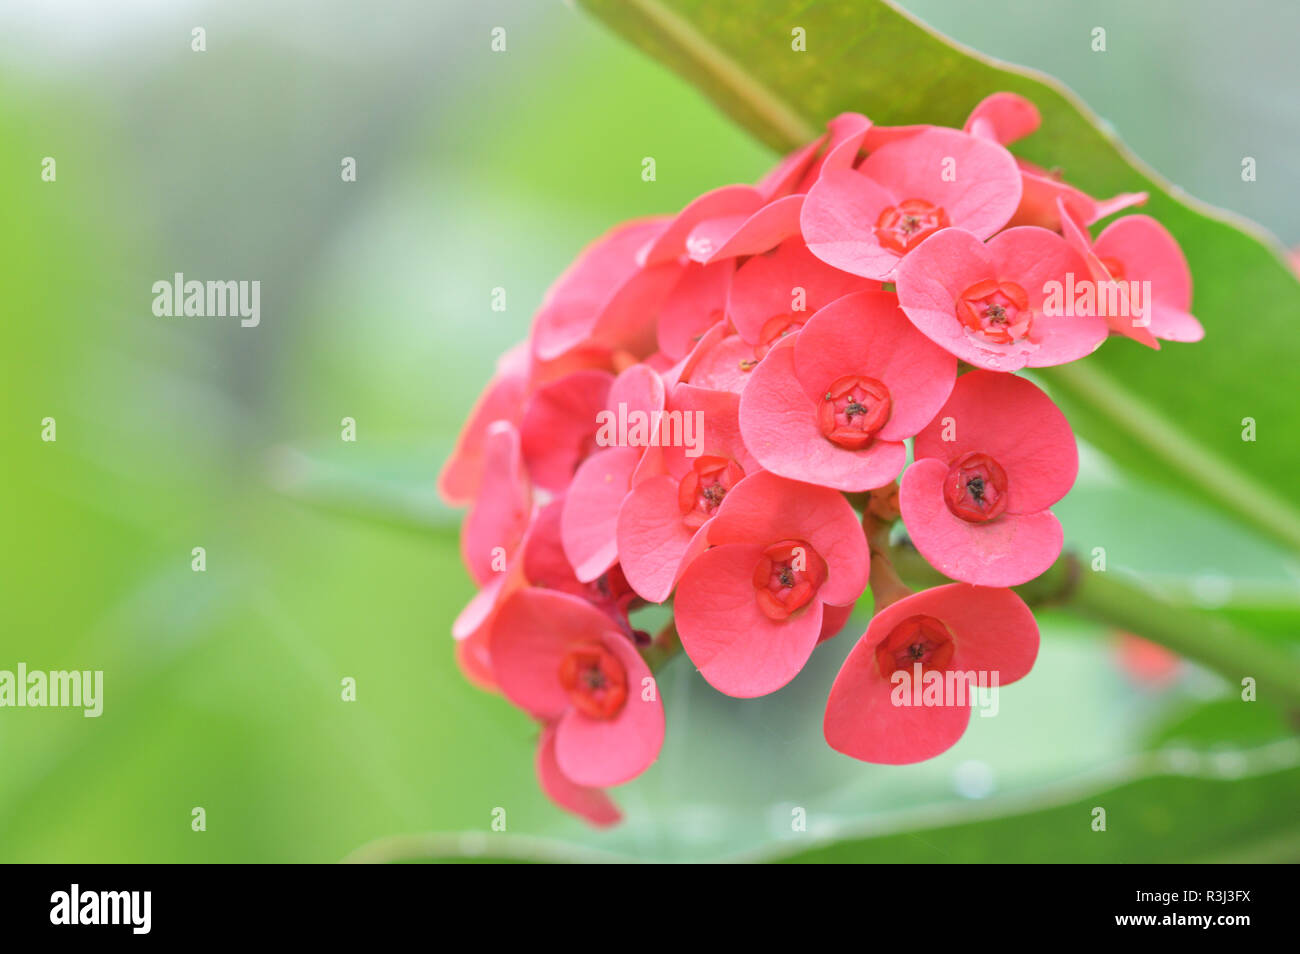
pixel 595 680
pixel 996 311
pixel 702 490
pixel 976 488
pixel 787 577
pixel 918 639
pixel 902 227
pixel 854 408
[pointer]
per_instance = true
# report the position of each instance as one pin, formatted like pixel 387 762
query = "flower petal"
pixel 1007 551
pixel 738 650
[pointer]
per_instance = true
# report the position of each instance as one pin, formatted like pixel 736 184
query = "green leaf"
pixel 1173 417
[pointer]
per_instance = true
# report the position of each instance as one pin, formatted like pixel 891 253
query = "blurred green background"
pixel 328 560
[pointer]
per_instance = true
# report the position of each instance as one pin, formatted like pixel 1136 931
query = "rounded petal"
pixel 604 752
pixel 1042 194
pixel 559 426
pixel 728 200
pixel 834 618
pixel 779 424
pixel 718 239
pixel 1007 551
pixel 639 388
pixel 590 517
pixel 771 285
pixel 738 650
pixel 572 307
pixel 765 508
pixel 838 221
pixel 974 180
pixel 1174 324
pixel 863 722
pixel 590 804
pixel 654 545
pixel 533 630
pixel 474 661
pixel 696 304
pixel 1003 117
pixel 502 400
pixel 1076 234
pixel 867 333
pixel 934 275
pixel 786 174
pixel 848 132
pixel 720 432
pixel 1037 259
pixel 992 628
pixel 496 522
pixel 1012 420
pixel 722 363
pixel 1149 253
pixel 993 633
pixel 544 562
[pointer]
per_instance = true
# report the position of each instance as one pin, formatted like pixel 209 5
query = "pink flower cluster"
pixel 879 286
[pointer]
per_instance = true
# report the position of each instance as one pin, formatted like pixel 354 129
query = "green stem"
pixel 664 647
pixel 1237 654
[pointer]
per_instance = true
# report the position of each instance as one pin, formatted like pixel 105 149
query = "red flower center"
pixel 595 680
pixel 902 227
pixel 997 311
pixel 976 488
pixel 701 491
pixel 773 330
pixel 1115 267
pixel 917 639
pixel 787 577
pixel 853 409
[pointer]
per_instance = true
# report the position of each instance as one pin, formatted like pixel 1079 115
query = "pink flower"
pixel 721 360
pixel 833 405
pixel 727 222
pixel 501 400
pixel 603 480
pixel 545 565
pixel 1006 117
pixel 559 426
pixel 606 296
pixel 773 295
pixel 538 561
pixel 1137 249
pixel 865 220
pixel 750 609
pixel 696 303
pixel 499 516
pixel 664 522
pixel 798 171
pixel 592 805
pixel 1003 118
pixel 987 467
pixel 956 637
pixel 561 660
pixel 987 303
